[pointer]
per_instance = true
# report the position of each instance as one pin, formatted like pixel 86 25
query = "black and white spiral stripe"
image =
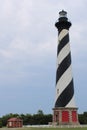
pixel 64 79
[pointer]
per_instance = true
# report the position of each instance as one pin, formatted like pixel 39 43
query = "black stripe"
pixel 65 96
pixel 63 67
pixel 62 43
pixel 63 25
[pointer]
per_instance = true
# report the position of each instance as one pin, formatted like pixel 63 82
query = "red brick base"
pixel 65 116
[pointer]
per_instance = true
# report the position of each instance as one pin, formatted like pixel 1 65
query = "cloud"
pixel 28 44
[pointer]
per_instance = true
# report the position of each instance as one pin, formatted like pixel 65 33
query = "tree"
pixel 6 117
pixel 0 123
pixel 83 118
pixel 40 112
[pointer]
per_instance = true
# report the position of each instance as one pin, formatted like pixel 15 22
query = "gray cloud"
pixel 28 41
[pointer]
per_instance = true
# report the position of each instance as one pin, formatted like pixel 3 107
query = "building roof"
pixel 14 119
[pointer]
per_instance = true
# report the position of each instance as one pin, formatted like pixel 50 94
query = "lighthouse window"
pixel 57 90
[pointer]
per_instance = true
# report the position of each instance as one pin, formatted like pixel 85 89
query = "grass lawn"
pixel 39 128
pixel 56 129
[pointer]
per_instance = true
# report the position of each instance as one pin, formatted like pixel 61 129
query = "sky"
pixel 28 49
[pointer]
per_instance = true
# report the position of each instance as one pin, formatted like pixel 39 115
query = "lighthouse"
pixel 65 110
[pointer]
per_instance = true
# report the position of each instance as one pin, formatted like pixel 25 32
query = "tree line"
pixel 82 118
pixel 28 119
pixel 37 119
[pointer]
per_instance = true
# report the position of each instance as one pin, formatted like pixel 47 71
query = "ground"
pixel 44 128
